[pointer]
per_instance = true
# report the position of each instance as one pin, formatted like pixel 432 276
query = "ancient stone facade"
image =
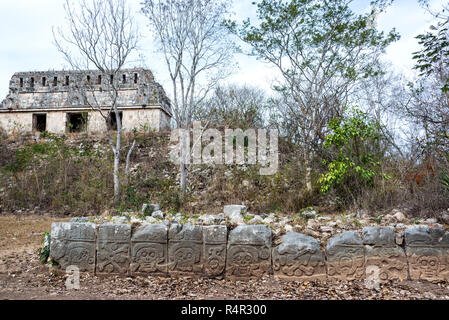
pixel 246 252
pixel 62 101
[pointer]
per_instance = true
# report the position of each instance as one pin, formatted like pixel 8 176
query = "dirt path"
pixel 22 276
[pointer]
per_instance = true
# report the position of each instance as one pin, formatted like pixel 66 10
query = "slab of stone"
pixel 210 219
pixel 383 255
pixel 149 246
pixel 256 220
pixel 249 252
pixel 73 244
pixel 119 220
pixel 427 252
pixel 378 236
pixel 158 214
pixel 185 249
pixel 113 248
pixel 299 258
pixel 214 241
pixel 346 256
pixel 230 210
pixel 418 236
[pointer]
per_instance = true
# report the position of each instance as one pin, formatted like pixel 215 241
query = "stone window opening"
pixel 135 78
pixel 67 80
pixel 21 82
pixel 76 122
pixel 112 120
pixel 55 81
pixel 39 122
pixel 124 78
pixel 112 79
pixel 32 82
pixel 88 79
pixel 44 81
pixel 99 80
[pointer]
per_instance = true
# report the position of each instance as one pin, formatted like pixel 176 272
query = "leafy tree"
pixel 433 58
pixel 322 49
pixel 356 144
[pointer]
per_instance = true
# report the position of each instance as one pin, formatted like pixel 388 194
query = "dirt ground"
pixel 22 276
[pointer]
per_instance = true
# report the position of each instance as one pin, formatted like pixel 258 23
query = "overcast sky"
pixel 27 40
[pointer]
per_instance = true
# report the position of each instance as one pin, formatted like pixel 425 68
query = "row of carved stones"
pixel 206 250
pixel 350 256
pixel 151 248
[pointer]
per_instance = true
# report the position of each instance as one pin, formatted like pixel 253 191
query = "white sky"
pixel 27 40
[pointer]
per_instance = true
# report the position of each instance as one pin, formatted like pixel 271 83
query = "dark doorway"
pixel 39 122
pixel 112 120
pixel 76 122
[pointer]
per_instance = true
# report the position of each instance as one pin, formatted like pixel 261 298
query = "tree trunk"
pixel 184 143
pixel 183 181
pixel 118 147
pixel 116 177
pixel 128 158
pixel 308 166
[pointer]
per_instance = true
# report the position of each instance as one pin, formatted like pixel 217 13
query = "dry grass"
pixel 73 176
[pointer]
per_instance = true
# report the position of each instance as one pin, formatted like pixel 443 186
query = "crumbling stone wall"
pixel 247 252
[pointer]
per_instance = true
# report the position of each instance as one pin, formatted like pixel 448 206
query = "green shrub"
pixel 44 251
pixel 355 143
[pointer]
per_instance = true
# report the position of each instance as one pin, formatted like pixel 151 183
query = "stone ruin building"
pixel 61 102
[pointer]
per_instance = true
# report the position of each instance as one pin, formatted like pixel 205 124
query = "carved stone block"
pixel 299 258
pixel 382 252
pixel 214 241
pixel 427 252
pixel 73 244
pixel 185 249
pixel 113 248
pixel 249 252
pixel 149 249
pixel 346 256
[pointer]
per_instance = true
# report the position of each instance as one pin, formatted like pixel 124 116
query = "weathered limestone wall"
pixel 56 122
pixel 95 122
pixel 246 252
pixel 154 118
pixel 164 121
pixel 138 118
pixel 17 121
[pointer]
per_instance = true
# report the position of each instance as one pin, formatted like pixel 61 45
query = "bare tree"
pixel 429 94
pixel 197 53
pixel 235 107
pixel 102 35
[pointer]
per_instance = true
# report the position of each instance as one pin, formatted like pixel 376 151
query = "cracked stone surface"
pixel 299 258
pixel 427 251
